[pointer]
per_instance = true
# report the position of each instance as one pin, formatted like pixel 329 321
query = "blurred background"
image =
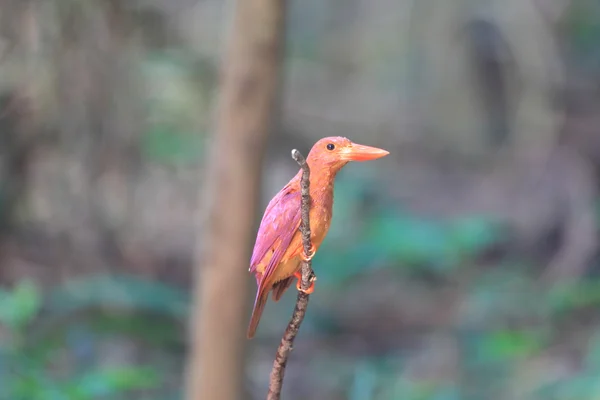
pixel 462 266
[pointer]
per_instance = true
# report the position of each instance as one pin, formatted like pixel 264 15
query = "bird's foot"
pixel 312 251
pixel 311 288
pixel 307 291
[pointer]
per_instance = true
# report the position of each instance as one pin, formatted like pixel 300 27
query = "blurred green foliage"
pixel 583 28
pixel 36 341
pixel 119 292
pixel 179 93
pixel 503 323
pixel 384 235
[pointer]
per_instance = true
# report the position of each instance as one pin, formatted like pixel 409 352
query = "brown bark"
pixel 250 77
pixel 308 276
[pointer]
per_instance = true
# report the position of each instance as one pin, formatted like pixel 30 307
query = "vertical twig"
pixel 308 276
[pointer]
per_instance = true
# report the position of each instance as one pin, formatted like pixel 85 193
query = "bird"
pixel 278 250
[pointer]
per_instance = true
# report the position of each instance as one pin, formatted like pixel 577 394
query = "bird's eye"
pixel 330 146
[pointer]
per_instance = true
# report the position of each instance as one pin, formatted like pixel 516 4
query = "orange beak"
pixel 359 152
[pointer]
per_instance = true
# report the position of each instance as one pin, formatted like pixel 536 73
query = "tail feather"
pixel 280 287
pixel 259 306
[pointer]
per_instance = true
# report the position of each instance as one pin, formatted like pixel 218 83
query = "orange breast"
pixel 320 221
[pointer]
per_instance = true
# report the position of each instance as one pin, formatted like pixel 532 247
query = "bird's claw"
pixel 312 251
pixel 310 289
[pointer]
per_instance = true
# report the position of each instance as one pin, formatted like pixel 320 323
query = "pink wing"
pixel 279 224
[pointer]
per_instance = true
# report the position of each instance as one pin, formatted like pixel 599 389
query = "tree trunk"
pixel 250 78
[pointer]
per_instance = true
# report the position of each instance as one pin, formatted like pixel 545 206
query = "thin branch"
pixel 308 276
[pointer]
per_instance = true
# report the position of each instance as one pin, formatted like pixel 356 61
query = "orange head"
pixel 336 151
